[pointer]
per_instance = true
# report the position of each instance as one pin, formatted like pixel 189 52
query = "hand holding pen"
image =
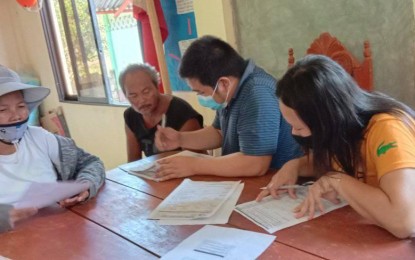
pixel 166 138
pixel 282 180
pixel 294 186
pixel 275 191
pixel 163 120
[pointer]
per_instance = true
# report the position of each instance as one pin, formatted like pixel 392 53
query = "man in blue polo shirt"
pixel 248 124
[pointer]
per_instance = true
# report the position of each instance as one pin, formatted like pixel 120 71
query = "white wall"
pixel 97 129
pixel 11 54
pixel 213 17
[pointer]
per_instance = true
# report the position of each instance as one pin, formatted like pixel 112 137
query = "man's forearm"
pixel 234 165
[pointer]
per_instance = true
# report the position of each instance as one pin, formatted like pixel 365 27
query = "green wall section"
pixel 267 28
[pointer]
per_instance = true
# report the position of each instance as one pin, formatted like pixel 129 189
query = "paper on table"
pixel 220 217
pixel 146 167
pixel 194 199
pixel 39 195
pixel 212 242
pixel 276 214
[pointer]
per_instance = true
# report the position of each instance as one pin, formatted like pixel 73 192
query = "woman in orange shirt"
pixel 359 145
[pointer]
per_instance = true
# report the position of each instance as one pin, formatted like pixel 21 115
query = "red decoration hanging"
pixel 27 3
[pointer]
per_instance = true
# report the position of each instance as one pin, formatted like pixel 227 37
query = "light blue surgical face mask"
pixel 12 133
pixel 210 102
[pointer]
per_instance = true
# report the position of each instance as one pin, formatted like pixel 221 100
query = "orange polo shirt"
pixel 388 145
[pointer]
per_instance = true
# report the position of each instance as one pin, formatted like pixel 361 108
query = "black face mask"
pixel 304 141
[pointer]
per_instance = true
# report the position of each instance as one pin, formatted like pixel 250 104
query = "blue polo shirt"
pixel 252 122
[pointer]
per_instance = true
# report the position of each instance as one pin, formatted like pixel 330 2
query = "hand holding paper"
pixel 74 200
pixel 39 195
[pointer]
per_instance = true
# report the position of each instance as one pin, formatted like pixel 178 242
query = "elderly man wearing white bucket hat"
pixel 32 154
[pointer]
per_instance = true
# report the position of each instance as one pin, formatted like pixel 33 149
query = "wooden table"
pixel 57 233
pixel 341 234
pixel 115 226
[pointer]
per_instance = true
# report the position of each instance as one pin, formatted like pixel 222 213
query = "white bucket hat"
pixel 10 81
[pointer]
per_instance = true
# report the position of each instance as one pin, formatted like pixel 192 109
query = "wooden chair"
pixel 328 45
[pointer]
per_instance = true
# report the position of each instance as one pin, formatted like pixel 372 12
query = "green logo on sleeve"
pixel 382 149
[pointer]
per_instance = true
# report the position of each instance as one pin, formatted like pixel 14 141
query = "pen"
pixel 284 187
pixel 295 186
pixel 163 120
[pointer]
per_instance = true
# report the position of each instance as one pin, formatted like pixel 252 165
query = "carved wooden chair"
pixel 328 45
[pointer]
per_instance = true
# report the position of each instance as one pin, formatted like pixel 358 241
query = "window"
pixel 89 43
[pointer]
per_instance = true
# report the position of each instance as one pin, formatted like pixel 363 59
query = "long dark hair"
pixel 335 109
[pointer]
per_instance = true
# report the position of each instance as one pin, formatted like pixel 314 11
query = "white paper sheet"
pixel 40 195
pixel 184 6
pixel 146 168
pixel 212 242
pixel 220 217
pixel 194 200
pixel 184 44
pixel 276 214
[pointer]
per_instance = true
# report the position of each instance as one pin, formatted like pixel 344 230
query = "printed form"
pixel 276 214
pixel 212 242
pixel 195 200
pixel 220 217
pixel 146 167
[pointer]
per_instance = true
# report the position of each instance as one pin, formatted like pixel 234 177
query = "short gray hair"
pixel 150 70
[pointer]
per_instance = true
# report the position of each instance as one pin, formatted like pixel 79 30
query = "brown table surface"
pixel 340 234
pixel 115 226
pixel 56 233
pixel 124 211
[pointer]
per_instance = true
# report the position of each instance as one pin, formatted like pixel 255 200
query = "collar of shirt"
pixel 248 71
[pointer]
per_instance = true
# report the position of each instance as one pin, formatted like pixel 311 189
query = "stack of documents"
pixel 276 214
pixel 146 168
pixel 199 202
